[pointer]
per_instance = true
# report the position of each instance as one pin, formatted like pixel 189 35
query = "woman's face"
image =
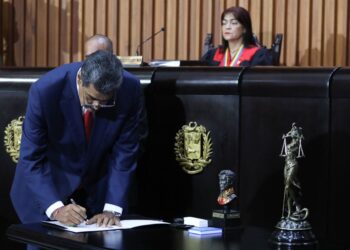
pixel 231 28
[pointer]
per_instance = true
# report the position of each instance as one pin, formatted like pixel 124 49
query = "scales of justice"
pixel 293 229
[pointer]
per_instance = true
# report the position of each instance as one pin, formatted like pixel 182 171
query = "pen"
pixel 74 203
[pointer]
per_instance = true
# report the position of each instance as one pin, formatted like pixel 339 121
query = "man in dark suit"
pixel 101 42
pixel 67 155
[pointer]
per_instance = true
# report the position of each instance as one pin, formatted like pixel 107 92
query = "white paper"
pixel 164 63
pixel 125 224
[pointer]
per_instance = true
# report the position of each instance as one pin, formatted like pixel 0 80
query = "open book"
pixel 125 224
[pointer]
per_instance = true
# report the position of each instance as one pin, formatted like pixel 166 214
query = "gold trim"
pixel 12 138
pixel 193 148
pixel 130 60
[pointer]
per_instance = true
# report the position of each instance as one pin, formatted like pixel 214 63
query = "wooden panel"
pixel 267 22
pixel 342 25
pixel 159 22
pixel 41 42
pixel 101 26
pixel 256 16
pixel 1 35
pixel 77 30
pixel 195 29
pixel 280 26
pixel 206 21
pixel 147 30
pixel 231 3
pixel 124 28
pixel 54 27
pixel 9 32
pixel 89 19
pixel 136 11
pixel 328 33
pixel 171 29
pixel 304 41
pixel 218 9
pixel 5 27
pixel 316 38
pixel 347 38
pixel 183 30
pixel 65 31
pixel 19 21
pixel 30 31
pixel 52 32
pixel 292 32
pixel 112 23
pixel 245 4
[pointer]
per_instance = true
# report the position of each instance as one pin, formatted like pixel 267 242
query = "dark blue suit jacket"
pixel 55 158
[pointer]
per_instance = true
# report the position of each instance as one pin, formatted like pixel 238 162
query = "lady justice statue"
pixel 293 228
pixel 292 191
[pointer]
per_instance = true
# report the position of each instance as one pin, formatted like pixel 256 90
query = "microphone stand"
pixel 149 38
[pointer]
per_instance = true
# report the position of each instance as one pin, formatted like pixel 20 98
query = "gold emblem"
pixel 193 148
pixel 12 139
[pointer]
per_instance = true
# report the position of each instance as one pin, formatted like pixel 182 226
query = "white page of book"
pixel 125 224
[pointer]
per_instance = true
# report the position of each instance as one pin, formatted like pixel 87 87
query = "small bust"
pixel 227 192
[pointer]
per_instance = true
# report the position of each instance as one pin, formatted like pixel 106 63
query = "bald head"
pixel 98 42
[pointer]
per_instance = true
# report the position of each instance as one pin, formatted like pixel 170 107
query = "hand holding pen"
pixel 71 214
pixel 81 213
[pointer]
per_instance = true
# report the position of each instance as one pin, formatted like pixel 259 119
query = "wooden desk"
pixel 153 237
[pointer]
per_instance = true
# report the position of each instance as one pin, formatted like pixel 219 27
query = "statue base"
pixel 226 219
pixel 289 233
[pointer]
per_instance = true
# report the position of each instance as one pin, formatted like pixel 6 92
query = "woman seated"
pixel 239 46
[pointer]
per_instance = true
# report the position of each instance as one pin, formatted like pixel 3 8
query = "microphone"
pixel 149 38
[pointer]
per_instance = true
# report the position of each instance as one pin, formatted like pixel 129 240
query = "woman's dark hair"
pixel 243 17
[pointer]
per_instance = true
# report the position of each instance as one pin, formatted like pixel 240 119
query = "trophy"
pixel 226 216
pixel 293 229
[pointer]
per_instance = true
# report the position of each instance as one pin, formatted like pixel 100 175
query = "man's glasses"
pixel 96 104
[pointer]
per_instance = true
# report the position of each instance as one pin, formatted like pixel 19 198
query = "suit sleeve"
pixel 123 160
pixel 33 160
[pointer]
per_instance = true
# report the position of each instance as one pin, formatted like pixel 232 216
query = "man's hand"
pixel 70 215
pixel 104 219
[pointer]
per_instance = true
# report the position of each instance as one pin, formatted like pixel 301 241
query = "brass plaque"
pixel 12 138
pixel 130 60
pixel 193 148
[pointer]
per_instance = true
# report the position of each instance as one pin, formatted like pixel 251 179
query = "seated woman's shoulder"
pixel 262 57
pixel 209 56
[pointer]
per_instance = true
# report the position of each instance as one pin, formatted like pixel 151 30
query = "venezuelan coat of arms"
pixel 12 138
pixel 193 148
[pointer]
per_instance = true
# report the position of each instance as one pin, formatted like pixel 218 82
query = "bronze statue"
pixel 228 216
pixel 293 229
pixel 227 191
pixel 292 189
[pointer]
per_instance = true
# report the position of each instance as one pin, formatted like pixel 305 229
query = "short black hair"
pixel 104 70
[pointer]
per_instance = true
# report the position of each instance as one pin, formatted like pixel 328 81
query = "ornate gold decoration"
pixel 193 148
pixel 12 139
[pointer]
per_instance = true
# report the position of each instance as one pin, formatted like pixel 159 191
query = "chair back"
pixel 276 49
pixel 208 43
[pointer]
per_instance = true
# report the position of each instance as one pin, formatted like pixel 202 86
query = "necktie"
pixel 88 119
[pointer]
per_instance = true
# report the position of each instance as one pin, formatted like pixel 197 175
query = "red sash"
pixel 246 55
